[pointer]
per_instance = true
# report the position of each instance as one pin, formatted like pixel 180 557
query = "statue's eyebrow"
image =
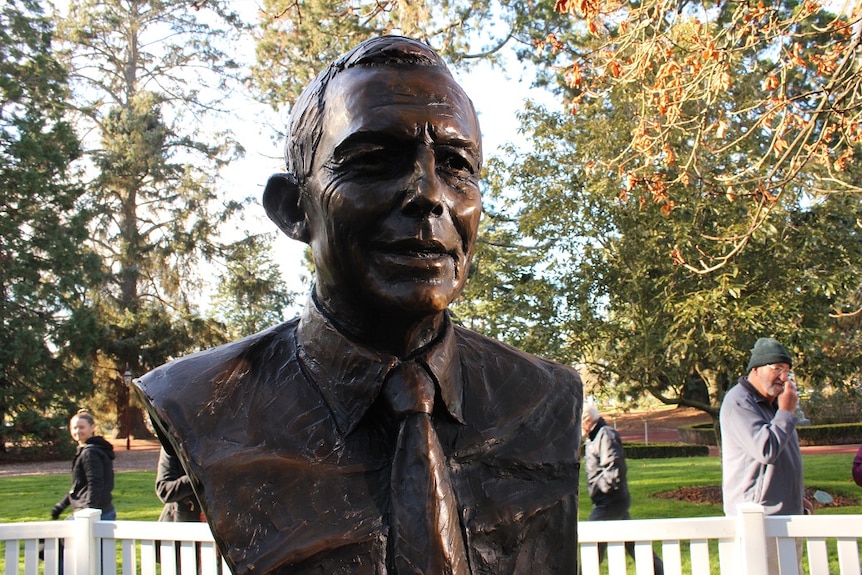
pixel 372 138
pixel 469 146
pixel 453 138
pixel 402 135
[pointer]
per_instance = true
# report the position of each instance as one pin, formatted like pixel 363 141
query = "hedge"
pixel 699 434
pixel 832 434
pixel 663 450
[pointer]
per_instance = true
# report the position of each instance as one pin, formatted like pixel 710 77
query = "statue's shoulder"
pixel 187 374
pixel 490 355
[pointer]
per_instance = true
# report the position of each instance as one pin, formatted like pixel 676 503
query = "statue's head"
pixel 383 158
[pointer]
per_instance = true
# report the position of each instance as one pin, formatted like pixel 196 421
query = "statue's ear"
pixel 281 199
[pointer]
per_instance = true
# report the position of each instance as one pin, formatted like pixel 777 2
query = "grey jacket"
pixel 606 467
pixel 760 457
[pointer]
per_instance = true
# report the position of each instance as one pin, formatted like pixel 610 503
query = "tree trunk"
pixel 139 427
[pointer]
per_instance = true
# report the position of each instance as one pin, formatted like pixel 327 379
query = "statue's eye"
pixel 455 162
pixel 372 160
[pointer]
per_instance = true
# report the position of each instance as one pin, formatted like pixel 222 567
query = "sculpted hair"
pixel 591 411
pixel 305 125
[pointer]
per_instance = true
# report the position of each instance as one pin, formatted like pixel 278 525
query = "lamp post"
pixel 127 379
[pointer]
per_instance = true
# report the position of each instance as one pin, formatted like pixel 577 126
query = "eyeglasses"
pixel 785 371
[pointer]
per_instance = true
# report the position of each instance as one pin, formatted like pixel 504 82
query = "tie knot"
pixel 409 389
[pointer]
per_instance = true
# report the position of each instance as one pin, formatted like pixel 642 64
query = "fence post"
pixel 751 538
pixel 86 555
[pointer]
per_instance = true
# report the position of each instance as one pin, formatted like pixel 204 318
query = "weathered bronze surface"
pixel 290 435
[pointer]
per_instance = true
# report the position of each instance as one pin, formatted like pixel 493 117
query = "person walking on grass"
pixel 606 472
pixel 92 470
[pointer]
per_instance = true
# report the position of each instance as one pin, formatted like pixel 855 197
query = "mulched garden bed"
pixel 712 494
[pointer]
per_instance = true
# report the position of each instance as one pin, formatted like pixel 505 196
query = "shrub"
pixel 836 434
pixel 698 434
pixel 35 436
pixel 831 405
pixel 663 450
pixel 833 434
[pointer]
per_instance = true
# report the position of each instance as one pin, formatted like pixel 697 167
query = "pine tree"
pixel 48 331
pixel 250 295
pixel 149 78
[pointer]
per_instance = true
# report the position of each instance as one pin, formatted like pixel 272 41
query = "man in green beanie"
pixel 760 457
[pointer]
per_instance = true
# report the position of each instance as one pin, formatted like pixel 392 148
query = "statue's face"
pixel 393 201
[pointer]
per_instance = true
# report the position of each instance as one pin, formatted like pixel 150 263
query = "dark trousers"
pixel 609 513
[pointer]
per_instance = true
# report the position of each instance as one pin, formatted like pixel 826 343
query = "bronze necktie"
pixel 425 529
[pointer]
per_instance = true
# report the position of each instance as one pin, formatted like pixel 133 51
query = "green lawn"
pixel 829 473
pixel 31 498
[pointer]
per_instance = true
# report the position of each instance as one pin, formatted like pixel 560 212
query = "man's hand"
pixel 789 398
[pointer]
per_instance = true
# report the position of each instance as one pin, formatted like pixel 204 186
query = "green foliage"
pixel 699 433
pixel 832 434
pixel 664 450
pixel 505 298
pixel 45 344
pixel 748 100
pixel 251 294
pixel 833 405
pixel 637 311
pixel 827 434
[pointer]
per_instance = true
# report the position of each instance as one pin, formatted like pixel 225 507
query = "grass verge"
pixel 30 498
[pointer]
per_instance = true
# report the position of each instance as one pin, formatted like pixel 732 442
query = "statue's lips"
pixel 430 256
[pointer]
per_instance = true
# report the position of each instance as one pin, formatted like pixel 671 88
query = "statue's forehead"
pixel 366 99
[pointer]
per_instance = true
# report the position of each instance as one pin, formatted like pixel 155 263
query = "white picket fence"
pixel 740 541
pixel 92 547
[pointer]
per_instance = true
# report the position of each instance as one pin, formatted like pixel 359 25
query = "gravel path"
pixel 143 456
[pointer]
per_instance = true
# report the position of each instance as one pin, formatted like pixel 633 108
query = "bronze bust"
pixel 371 435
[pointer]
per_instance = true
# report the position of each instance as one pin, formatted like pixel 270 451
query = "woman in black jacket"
pixel 92 470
